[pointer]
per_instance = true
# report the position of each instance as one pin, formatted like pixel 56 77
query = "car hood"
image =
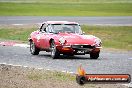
pixel 72 38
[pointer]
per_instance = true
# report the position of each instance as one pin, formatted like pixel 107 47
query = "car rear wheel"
pixel 33 49
pixel 54 52
pixel 94 55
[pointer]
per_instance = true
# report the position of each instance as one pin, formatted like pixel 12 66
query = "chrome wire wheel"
pixel 54 51
pixel 33 49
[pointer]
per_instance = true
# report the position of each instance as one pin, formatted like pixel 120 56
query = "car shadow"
pixel 77 57
pixel 67 57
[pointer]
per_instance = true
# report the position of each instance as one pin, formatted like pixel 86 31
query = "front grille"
pixel 82 46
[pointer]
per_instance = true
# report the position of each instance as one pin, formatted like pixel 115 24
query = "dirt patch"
pixel 24 77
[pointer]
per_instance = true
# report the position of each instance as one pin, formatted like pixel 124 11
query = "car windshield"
pixel 68 28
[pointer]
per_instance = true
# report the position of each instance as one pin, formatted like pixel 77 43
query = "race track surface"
pixel 108 62
pixel 114 20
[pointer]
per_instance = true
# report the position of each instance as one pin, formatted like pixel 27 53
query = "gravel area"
pixel 24 77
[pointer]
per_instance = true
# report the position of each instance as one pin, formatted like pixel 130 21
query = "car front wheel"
pixel 54 52
pixel 94 55
pixel 33 49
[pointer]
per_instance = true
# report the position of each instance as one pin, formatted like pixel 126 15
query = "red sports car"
pixel 63 37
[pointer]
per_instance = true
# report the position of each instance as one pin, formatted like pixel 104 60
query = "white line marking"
pixel 64 71
pixel 24 66
pixel 17 24
pixel 1 42
pixel 22 45
pixel 112 24
pixel 71 72
pixel 48 69
pixel 130 58
pixel 10 64
pixel 40 68
pixel 17 65
pixel 3 63
pixel 129 85
pixel 39 24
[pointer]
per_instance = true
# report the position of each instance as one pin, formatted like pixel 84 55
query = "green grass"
pixel 69 1
pixel 119 37
pixel 50 75
pixel 82 8
pixel 112 37
pixel 16 34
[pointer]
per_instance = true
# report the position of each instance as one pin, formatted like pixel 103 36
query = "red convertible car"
pixel 63 37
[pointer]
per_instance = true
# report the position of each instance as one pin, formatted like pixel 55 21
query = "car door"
pixel 37 36
pixel 44 37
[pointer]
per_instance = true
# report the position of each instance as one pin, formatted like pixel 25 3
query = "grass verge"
pixel 25 77
pixel 66 9
pixel 53 75
pixel 119 37
pixel 68 1
pixel 112 36
pixel 21 77
pixel 16 33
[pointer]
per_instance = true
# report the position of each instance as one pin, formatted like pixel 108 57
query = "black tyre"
pixel 94 55
pixel 54 52
pixel 33 49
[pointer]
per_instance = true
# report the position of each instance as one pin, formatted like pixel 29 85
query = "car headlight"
pixel 62 40
pixel 97 42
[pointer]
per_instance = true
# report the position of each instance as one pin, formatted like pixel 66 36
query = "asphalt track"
pixel 112 21
pixel 108 62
